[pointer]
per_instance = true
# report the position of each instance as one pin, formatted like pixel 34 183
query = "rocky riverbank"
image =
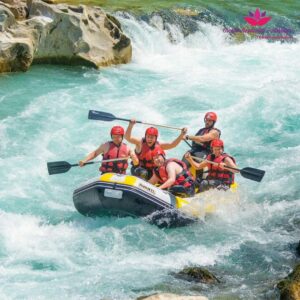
pixel 38 32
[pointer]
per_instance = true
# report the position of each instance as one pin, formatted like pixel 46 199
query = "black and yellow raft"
pixel 126 195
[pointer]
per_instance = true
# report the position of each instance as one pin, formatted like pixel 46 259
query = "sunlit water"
pixel 48 250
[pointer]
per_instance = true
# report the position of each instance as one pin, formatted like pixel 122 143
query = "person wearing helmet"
pixel 218 175
pixel 144 147
pixel 113 149
pixel 172 174
pixel 202 139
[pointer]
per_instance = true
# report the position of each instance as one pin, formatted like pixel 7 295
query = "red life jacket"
pixel 115 151
pixel 145 156
pixel 205 145
pixel 184 178
pixel 215 172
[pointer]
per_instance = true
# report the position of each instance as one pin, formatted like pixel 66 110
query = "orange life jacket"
pixel 145 156
pixel 215 172
pixel 184 178
pixel 115 151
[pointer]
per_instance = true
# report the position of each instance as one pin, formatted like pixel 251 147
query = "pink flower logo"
pixel 257 18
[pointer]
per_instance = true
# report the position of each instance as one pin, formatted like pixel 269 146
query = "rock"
pixel 188 21
pixel 63 34
pixel 16 55
pixel 290 286
pixel 167 296
pixel 17 7
pixel 7 18
pixel 51 1
pixel 197 274
pixel 82 34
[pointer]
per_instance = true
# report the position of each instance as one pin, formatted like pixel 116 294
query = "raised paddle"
pixel 58 167
pixel 104 116
pixel 249 173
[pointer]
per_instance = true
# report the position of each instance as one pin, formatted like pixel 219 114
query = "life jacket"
pixel 115 151
pixel 145 156
pixel 206 145
pixel 184 178
pixel 215 172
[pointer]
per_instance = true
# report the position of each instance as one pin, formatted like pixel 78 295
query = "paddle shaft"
pixel 103 116
pixel 248 172
pixel 163 126
pixel 58 167
pixel 151 124
pixel 103 161
pixel 214 163
pixel 188 143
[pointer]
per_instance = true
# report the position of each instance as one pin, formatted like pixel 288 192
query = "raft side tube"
pixel 138 198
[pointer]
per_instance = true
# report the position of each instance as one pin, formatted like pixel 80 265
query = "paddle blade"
pixel 253 174
pixel 100 115
pixel 58 167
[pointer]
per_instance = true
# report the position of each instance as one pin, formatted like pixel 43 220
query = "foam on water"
pixel 48 250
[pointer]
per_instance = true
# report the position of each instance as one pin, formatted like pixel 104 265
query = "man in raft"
pixel 201 141
pixel 172 174
pixel 144 147
pixel 218 175
pixel 113 149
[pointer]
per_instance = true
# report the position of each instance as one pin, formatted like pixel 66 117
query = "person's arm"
pixel 134 158
pixel 168 146
pixel 212 135
pixel 154 179
pixel 196 165
pixel 171 170
pixel 101 149
pixel 230 163
pixel 128 136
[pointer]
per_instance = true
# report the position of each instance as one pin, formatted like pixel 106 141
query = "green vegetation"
pixel 289 8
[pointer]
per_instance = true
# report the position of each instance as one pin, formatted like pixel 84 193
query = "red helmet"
pixel 117 130
pixel 158 151
pixel 151 131
pixel 217 143
pixel 211 116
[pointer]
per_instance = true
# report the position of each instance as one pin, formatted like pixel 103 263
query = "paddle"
pixel 188 143
pixel 58 167
pixel 103 116
pixel 249 173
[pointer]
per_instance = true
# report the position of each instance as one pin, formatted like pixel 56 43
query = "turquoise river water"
pixel 48 250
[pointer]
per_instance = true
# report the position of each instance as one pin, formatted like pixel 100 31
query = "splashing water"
pixel 49 250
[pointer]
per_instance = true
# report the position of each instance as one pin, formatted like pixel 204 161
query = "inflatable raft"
pixel 126 195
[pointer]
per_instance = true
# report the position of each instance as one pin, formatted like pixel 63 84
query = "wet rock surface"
pixel 60 34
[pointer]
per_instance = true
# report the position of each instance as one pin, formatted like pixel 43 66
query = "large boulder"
pixel 290 286
pixel 61 34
